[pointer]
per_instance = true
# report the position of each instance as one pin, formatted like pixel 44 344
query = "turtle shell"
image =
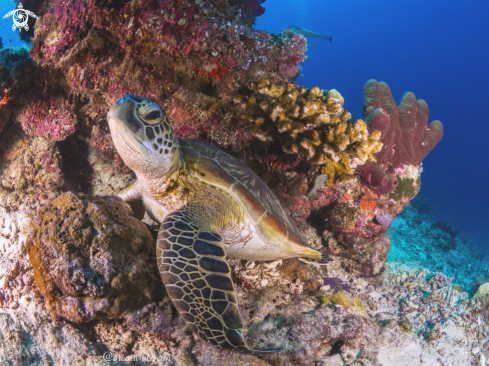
pixel 213 166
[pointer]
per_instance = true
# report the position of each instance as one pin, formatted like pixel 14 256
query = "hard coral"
pixel 33 167
pixel 311 124
pixel 405 134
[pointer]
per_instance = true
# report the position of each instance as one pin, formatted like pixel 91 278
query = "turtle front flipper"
pixel 198 280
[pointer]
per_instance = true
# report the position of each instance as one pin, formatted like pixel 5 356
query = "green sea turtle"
pixel 210 205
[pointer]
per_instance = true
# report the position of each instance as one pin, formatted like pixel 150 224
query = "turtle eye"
pixel 151 116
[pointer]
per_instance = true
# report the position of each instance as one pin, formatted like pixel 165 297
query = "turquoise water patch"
pixel 417 240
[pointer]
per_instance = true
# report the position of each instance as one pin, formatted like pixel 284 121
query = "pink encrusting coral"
pixel 160 48
pixel 153 31
pixel 54 119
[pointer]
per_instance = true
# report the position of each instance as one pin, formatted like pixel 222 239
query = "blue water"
pixel 438 49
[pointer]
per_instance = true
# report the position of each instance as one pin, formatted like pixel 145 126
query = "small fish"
pixel 308 33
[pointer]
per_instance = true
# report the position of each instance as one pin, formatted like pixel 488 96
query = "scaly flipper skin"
pixel 198 280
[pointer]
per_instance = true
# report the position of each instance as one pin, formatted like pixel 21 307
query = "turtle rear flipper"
pixel 198 280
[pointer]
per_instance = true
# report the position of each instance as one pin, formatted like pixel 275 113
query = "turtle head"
pixel 143 135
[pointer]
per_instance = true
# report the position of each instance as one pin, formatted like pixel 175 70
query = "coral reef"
pixel 284 302
pixel 31 168
pixel 312 124
pixel 87 281
pixel 89 257
pixel 344 222
pixel 148 48
pixel 197 58
pixel 406 137
pixel 482 292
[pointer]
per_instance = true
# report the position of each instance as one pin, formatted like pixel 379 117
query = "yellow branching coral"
pixel 312 124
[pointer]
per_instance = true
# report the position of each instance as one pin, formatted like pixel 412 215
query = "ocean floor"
pixel 433 273
pixel 419 315
pixel 435 246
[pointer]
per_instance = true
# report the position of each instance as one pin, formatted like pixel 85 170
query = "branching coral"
pixel 405 134
pixel 312 124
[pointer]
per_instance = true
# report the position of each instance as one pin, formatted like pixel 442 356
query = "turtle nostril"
pixel 121 100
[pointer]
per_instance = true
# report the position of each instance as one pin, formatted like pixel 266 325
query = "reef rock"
pixel 90 257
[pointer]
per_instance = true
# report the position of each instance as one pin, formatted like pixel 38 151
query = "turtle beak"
pixel 123 123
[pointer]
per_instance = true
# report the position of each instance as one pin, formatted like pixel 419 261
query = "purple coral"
pixel 386 219
pixel 405 134
pixel 336 284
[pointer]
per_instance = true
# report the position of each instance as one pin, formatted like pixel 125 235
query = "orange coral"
pixel 345 198
pixel 4 100
pixel 367 204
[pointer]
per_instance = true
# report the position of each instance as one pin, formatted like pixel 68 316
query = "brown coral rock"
pixel 92 258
